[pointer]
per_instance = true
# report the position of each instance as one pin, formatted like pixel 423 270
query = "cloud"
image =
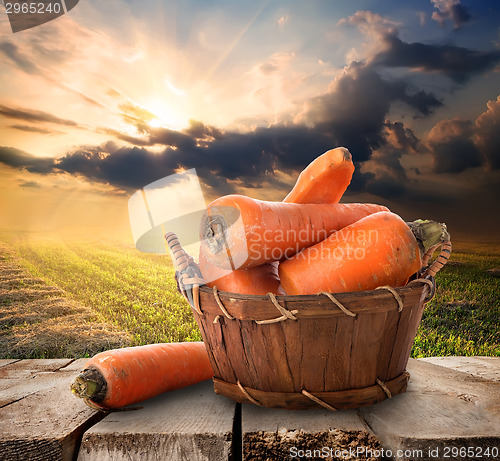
pixel 13 52
pixel 487 128
pixel 34 129
pixel 16 158
pixel 34 116
pixel 455 62
pixel 354 109
pixel 30 184
pixel 461 144
pixel 385 48
pixel 453 147
pixel 451 10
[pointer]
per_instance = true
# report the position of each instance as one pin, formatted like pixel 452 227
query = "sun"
pixel 166 115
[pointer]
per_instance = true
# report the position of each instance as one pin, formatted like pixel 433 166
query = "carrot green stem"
pixel 429 234
pixel 89 384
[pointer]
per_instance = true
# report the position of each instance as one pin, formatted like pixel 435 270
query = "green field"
pixel 136 294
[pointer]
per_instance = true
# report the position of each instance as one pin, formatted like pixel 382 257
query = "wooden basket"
pixel 297 352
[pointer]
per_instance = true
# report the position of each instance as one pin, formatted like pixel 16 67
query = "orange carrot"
pixel 258 280
pixel 239 232
pixel 322 181
pixel 379 249
pixel 325 179
pixel 121 377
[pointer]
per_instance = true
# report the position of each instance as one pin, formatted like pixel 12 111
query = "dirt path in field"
pixel 38 320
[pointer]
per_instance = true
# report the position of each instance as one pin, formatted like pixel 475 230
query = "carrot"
pixel 325 179
pixel 379 249
pixel 258 280
pixel 120 377
pixel 239 232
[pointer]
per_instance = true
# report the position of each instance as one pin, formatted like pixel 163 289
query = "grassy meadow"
pixel 124 297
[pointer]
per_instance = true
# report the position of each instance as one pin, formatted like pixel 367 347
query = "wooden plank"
pixel 443 409
pixel 23 369
pixel 34 380
pixel 189 424
pixel 483 367
pixel 45 423
pixel 278 435
pixel 4 362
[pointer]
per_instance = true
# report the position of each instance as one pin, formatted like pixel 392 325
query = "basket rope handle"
pixel 188 273
pixel 428 273
pixel 439 262
pixel 179 257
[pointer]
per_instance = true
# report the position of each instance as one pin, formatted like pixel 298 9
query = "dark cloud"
pixel 487 128
pixel 386 187
pixel 355 108
pixel 453 147
pixel 455 62
pixel 34 116
pixel 460 144
pixel 16 158
pixel 451 10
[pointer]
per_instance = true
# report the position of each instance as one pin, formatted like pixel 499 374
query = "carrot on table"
pixel 379 249
pixel 238 232
pixel 120 377
pixel 325 179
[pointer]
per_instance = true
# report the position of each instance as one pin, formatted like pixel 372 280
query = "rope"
pixel 196 299
pixel 221 306
pixel 247 395
pixel 395 294
pixel 431 285
pixel 286 314
pixel 384 388
pixel 339 304
pixel 318 401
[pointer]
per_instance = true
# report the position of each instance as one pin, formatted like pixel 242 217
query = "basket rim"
pixel 344 294
pixel 271 309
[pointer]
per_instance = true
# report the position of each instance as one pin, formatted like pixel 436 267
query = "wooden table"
pixel 452 407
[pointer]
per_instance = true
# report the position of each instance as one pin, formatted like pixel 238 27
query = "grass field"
pixel 125 297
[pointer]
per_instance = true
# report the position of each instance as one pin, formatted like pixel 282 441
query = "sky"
pixel 115 95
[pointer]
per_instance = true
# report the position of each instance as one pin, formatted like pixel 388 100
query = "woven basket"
pixel 339 351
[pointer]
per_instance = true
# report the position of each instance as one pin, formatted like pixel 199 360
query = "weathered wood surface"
pixel 191 424
pixel 443 409
pixel 39 417
pixel 484 367
pixel 273 434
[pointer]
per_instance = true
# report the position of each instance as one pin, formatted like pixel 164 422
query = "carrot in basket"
pixel 380 249
pixel 239 232
pixel 121 377
pixel 325 179
pixel 258 280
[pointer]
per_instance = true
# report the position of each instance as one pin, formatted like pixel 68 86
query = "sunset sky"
pixel 117 94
